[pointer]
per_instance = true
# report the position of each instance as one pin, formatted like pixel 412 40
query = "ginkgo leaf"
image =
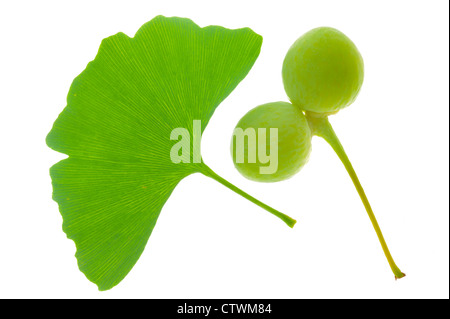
pixel 116 129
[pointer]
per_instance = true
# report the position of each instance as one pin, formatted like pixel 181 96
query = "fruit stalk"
pixel 320 126
pixel 210 173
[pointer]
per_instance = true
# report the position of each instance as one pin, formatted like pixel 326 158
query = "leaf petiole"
pixel 210 173
pixel 320 126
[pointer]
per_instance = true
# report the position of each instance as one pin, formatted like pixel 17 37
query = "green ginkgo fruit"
pixel 323 71
pixel 271 142
pixel 117 129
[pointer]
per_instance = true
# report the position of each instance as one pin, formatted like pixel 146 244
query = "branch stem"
pixel 320 126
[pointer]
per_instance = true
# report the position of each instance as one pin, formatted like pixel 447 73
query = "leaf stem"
pixel 210 173
pixel 320 126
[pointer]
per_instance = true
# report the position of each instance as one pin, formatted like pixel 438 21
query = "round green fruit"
pixel 323 71
pixel 271 142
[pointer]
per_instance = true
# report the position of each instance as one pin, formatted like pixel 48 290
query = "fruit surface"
pixel 323 71
pixel 293 145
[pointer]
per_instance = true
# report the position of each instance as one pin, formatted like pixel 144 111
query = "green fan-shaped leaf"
pixel 116 130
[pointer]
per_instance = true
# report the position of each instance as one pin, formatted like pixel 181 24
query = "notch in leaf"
pixel 116 131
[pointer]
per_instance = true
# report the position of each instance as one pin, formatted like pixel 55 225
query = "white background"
pixel 210 242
